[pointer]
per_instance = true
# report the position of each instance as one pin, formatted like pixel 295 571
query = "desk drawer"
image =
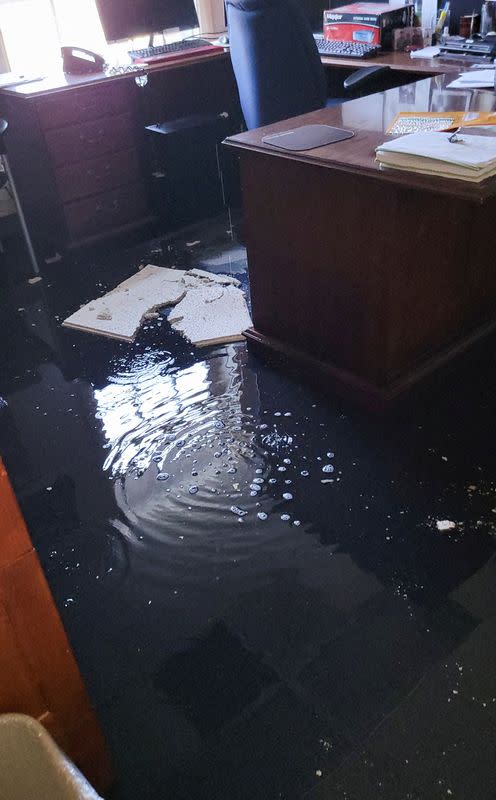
pixel 105 211
pixel 89 102
pixel 76 181
pixel 90 139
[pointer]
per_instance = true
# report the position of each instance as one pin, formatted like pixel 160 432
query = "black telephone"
pixel 78 61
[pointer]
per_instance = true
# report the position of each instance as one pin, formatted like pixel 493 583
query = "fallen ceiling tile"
pixel 195 297
pixel 212 315
pixel 119 313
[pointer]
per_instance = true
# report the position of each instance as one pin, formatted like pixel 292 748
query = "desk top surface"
pixel 400 62
pixel 369 117
pixel 59 81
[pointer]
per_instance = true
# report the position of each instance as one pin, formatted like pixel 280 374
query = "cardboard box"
pixel 370 23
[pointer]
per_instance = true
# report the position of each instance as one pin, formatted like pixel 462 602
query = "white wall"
pixel 211 15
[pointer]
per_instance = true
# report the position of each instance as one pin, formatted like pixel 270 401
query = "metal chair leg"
pixel 22 219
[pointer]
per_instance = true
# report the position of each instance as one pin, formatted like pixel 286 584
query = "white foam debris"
pixel 444 525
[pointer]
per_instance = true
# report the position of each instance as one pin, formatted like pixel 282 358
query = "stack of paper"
pixel 471 158
pixel 426 52
pixel 477 79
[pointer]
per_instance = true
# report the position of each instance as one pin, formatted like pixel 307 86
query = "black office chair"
pixel 275 60
pixel 6 176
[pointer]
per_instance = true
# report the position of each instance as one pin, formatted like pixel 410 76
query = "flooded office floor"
pixel 269 594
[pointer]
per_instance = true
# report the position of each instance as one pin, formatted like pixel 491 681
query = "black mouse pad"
pixel 307 137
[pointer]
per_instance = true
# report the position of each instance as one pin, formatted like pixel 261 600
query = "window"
pixel 78 23
pixel 30 35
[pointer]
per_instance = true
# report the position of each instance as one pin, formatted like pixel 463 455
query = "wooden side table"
pixel 38 672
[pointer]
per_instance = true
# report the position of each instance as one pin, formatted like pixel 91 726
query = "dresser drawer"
pixel 97 175
pixel 90 139
pixel 105 211
pixel 86 103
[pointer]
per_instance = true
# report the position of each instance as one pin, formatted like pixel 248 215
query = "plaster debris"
pixel 35 280
pixel 444 525
pixel 213 277
pixel 53 259
pixel 210 309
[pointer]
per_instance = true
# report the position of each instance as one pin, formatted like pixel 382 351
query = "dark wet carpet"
pixel 252 575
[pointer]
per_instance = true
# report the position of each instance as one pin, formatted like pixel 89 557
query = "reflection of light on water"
pixel 205 479
pixel 186 449
pixel 139 405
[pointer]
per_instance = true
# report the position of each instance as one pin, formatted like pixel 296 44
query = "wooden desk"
pixel 367 279
pixel 76 143
pixel 398 62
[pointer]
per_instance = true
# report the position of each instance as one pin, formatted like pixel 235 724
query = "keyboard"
pixel 334 47
pixel 175 50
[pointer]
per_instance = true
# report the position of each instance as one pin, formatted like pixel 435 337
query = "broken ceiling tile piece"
pixel 195 297
pixel 214 277
pixel 212 315
pixel 119 313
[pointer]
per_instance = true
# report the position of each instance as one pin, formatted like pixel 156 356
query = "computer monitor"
pixel 124 19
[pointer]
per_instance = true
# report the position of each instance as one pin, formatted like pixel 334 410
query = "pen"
pixel 442 17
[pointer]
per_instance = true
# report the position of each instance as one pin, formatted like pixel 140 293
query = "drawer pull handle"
pixel 92 139
pixel 100 207
pixel 92 173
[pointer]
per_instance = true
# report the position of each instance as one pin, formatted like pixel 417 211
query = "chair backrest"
pixel 275 60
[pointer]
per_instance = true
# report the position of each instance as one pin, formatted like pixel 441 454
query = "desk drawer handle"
pixel 92 139
pixel 85 108
pixel 100 207
pixel 92 173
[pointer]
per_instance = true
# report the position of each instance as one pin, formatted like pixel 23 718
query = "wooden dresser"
pixel 76 160
pixel 38 673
